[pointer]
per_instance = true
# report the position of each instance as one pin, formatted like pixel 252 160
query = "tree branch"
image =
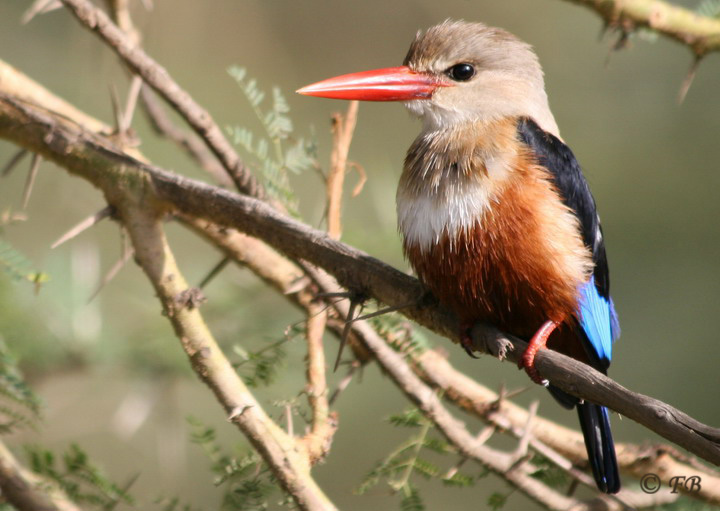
pixel 700 33
pixel 26 491
pixel 160 80
pixel 118 175
pixel 291 465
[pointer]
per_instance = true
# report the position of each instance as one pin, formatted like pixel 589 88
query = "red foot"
pixel 538 341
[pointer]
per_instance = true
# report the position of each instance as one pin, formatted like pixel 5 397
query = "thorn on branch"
pixel 382 312
pixel 689 78
pixel 123 134
pixel 355 301
pixel 128 251
pixel 214 272
pixel 298 285
pixel 30 182
pixel 84 225
pixel 521 453
pixel 345 381
pixel 131 103
pixel 10 165
pixel 39 7
pixel 237 412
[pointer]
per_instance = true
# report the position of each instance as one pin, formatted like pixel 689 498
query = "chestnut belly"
pixel 515 284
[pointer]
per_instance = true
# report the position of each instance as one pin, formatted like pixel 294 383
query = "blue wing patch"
pixel 599 320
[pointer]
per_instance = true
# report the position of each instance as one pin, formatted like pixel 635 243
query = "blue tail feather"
pixel 599 321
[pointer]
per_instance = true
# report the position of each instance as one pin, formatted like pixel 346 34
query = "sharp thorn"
pixel 127 253
pixel 689 78
pixel 32 174
pixel 214 272
pixel 117 110
pixel 131 103
pixel 10 165
pixel 39 7
pixel 83 226
pixel 346 331
pixel 340 294
pixel 382 312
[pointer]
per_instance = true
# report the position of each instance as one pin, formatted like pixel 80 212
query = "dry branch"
pixel 342 129
pixel 159 79
pixel 26 491
pixel 700 33
pixel 289 463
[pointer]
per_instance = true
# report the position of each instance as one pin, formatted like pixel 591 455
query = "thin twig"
pixel 188 141
pixel 342 129
pixel 322 427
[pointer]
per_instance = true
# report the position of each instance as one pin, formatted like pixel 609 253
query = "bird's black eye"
pixel 461 72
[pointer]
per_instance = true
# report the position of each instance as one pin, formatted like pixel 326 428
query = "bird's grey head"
pixel 490 73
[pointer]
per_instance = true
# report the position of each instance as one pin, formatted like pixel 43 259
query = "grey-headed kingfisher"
pixel 496 216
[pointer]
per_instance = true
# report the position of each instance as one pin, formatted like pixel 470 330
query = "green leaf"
pixel 497 500
pixel 458 480
pixel 438 445
pixel 80 480
pixel 425 468
pixel 549 473
pixel 17 266
pixel 411 501
pixel 274 159
pixel 709 8
pixel 411 418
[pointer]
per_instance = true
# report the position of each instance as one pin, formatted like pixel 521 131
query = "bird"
pixel 496 216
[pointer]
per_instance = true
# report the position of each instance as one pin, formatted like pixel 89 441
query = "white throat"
pixel 434 203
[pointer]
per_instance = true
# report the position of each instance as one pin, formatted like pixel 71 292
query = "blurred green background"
pixel 111 373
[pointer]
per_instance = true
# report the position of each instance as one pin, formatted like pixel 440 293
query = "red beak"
pixel 388 84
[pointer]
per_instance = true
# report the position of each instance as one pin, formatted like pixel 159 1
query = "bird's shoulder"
pixel 558 159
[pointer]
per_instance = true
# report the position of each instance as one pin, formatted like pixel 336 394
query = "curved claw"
pixel 467 343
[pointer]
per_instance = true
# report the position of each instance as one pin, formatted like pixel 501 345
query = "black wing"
pixel 568 178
